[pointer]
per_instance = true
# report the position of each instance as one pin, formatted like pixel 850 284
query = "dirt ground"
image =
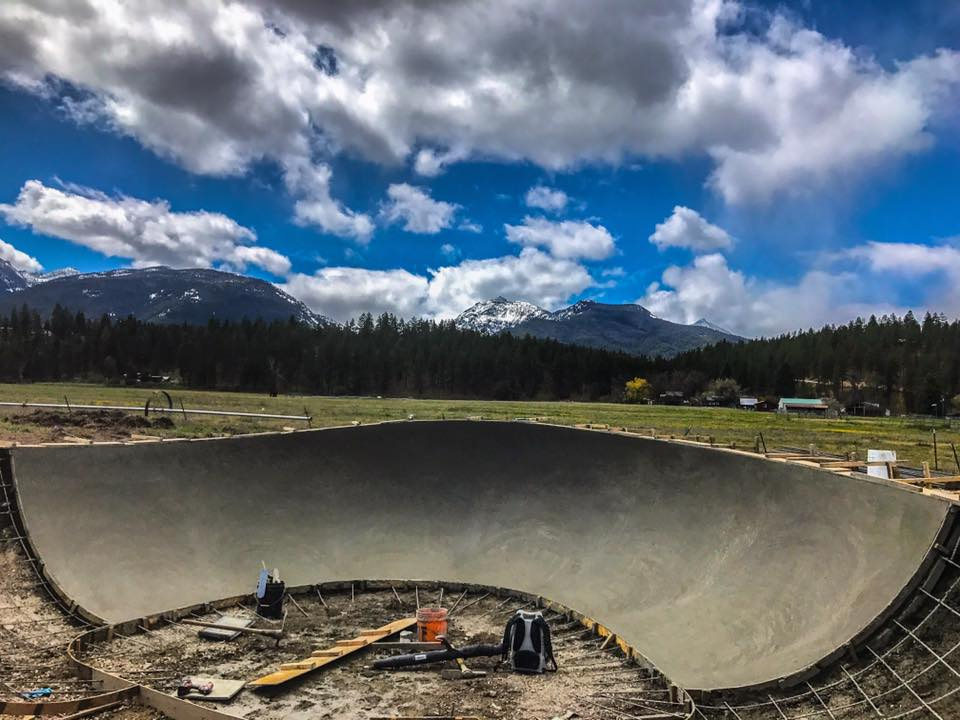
pixel 590 683
pixel 44 426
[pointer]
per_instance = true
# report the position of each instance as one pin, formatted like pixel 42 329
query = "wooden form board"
pixel 319 658
pixel 951 480
pixel 55 707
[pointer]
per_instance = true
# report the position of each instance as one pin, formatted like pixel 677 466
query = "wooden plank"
pixel 297 665
pixel 343 649
pixel 91 711
pixel 947 480
pixel 855 463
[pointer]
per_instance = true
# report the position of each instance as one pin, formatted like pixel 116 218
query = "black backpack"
pixel 526 643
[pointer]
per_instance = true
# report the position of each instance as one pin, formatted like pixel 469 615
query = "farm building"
pixel 814 406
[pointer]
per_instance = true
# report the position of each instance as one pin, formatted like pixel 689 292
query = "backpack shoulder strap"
pixel 507 632
pixel 547 643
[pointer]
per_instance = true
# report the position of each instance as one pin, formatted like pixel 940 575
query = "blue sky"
pixel 767 166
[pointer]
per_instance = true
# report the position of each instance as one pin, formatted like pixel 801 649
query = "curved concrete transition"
pixel 725 570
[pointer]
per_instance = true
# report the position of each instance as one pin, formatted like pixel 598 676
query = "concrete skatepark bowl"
pixel 725 570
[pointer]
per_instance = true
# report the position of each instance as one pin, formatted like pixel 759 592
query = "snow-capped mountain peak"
pixel 704 323
pixel 497 315
pixel 629 327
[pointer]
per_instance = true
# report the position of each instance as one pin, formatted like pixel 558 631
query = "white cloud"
pixel 546 198
pixel 345 292
pixel 418 212
pixel 533 276
pixel 218 86
pixel 686 228
pixel 430 163
pixel 564 239
pixel 912 259
pixel 148 233
pixel 709 288
pixel 310 185
pixel 19 259
pixel 934 268
pixel 470 226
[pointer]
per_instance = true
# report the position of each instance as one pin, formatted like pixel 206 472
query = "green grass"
pixel 910 437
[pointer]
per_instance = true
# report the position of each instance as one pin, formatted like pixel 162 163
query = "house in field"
pixel 811 406
pixel 753 403
pixel 671 397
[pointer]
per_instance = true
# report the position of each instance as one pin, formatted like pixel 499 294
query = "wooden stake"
pixel 297 605
pixel 322 601
pixel 462 595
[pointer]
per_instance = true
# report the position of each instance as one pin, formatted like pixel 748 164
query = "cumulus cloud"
pixel 147 233
pixel 686 228
pixel 546 198
pixel 936 268
pixel 710 288
pixel 911 259
pixel 430 163
pixel 564 239
pixel 345 292
pixel 217 86
pixel 418 212
pixel 532 275
pixel 310 184
pixel 19 259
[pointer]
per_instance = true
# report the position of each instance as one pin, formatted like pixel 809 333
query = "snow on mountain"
pixel 156 294
pixel 629 328
pixel 586 306
pixel 704 323
pixel 495 316
pixel 11 279
pixel 33 278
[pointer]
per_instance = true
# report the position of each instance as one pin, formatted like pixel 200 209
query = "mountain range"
pixel 156 294
pixel 166 295
pixel 628 328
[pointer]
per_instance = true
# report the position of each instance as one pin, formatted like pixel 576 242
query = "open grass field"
pixel 912 438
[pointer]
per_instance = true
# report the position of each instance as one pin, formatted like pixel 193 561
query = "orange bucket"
pixel 430 623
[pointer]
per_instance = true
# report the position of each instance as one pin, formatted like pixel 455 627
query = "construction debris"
pixel 220 633
pixel 211 689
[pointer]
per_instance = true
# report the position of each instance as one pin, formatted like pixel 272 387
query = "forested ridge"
pixel 382 356
pixel 901 363
pixel 898 362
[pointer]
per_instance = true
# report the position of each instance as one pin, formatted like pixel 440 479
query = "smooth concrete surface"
pixel 724 570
